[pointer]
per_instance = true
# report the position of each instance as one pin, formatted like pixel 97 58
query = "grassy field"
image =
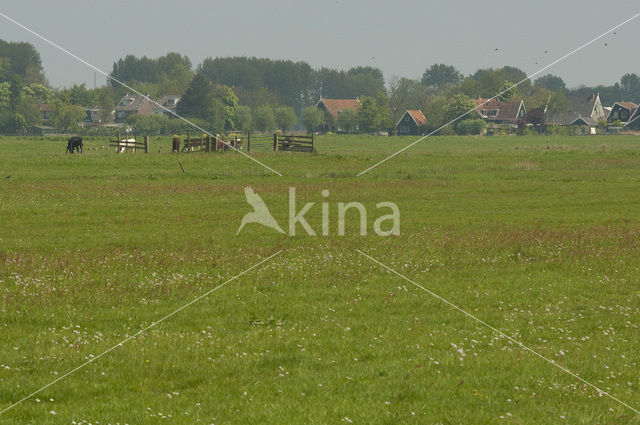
pixel 539 237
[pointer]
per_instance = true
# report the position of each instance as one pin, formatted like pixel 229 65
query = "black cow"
pixel 74 144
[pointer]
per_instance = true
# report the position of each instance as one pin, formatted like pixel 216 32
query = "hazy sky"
pixel 401 37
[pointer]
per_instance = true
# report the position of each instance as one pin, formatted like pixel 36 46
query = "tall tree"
pixel 630 87
pixel 311 118
pixel 405 94
pixel 552 82
pixel 242 118
pixel 21 59
pixel 264 118
pixel 458 106
pixel 348 120
pixel 285 118
pixel 213 103
pixel 439 75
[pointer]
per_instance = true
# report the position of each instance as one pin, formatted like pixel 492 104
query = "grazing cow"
pixel 74 144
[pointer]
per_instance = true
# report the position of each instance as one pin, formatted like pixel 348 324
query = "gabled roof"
pixel 506 110
pixel 579 109
pixel 135 103
pixel 416 115
pixel 626 105
pixel 334 106
pixel 170 101
pixel 629 106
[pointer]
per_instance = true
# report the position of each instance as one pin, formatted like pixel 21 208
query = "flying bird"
pixel 260 214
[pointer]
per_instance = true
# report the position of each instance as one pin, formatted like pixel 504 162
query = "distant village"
pixel 583 114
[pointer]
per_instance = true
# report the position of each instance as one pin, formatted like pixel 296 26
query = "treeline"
pixel 264 94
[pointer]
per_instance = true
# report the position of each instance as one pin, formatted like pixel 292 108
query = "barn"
pixel 333 107
pixel 412 123
pixel 622 111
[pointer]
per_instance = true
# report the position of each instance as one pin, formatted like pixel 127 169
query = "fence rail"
pixel 125 145
pixel 294 143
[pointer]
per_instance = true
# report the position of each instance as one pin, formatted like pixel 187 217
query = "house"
pixel 133 104
pixel 580 111
pixel 411 123
pixel 622 111
pixel 500 111
pixel 167 102
pixel 333 107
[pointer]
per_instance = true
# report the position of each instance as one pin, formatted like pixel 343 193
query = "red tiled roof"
pixel 507 110
pixel 334 106
pixel 418 117
pixel 627 105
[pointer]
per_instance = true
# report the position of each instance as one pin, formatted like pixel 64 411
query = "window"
pixel 171 102
pixel 126 102
pixel 493 113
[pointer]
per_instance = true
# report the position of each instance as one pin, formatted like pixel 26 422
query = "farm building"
pixel 411 123
pixel 500 111
pixel 133 104
pixel 42 130
pixel 170 102
pixel 332 108
pixel 622 111
pixel 580 111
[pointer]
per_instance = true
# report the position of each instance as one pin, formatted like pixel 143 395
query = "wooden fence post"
pixel 275 141
pixel 248 141
pixel 146 144
pixel 208 143
pixel 313 143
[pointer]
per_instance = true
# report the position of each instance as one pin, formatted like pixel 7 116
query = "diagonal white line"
pixel 93 359
pixel 633 120
pixel 132 89
pixel 529 77
pixel 450 304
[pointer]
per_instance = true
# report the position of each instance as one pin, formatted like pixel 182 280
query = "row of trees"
pixel 262 94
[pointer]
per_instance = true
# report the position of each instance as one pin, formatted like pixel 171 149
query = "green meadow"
pixel 538 237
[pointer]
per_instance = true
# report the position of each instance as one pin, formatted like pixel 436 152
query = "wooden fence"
pixel 130 144
pixel 259 143
pixel 208 143
pixel 294 143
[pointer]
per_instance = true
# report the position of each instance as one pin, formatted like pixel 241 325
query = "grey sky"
pixel 402 37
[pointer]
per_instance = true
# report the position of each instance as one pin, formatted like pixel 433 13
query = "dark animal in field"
pixel 74 144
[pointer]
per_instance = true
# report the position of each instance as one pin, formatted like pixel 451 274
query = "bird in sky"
pixel 260 214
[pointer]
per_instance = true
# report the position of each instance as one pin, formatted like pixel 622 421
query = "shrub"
pixel 468 127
